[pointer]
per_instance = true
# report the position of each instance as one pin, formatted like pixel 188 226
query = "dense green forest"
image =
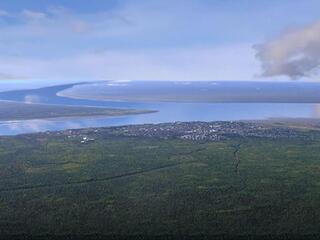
pixel 54 184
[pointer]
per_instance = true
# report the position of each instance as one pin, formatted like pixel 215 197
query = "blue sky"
pixel 143 39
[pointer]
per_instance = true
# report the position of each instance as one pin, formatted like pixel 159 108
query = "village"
pixel 194 131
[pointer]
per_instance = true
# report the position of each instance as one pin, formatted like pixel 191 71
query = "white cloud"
pixel 295 53
pixel 33 15
pixel 4 13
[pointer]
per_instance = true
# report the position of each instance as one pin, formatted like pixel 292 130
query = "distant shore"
pixel 195 92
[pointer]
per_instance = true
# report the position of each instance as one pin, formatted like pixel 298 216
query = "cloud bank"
pixel 294 53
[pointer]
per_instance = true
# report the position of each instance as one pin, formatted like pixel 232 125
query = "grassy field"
pixel 51 184
pixel 23 111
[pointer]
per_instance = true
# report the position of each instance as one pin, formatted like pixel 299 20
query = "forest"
pixel 52 183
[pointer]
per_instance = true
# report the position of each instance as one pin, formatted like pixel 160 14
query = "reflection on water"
pixel 170 112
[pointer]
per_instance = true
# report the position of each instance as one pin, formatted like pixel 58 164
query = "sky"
pixel 69 40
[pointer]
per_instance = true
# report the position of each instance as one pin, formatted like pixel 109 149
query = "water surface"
pixel 167 111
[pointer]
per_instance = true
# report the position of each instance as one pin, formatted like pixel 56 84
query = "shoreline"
pixel 294 123
pixel 176 101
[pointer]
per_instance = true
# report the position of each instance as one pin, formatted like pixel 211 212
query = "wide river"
pixel 167 111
